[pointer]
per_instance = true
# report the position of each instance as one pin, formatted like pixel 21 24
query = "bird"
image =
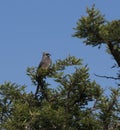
pixel 46 62
pixel 43 67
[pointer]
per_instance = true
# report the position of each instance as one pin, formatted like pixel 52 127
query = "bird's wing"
pixel 41 64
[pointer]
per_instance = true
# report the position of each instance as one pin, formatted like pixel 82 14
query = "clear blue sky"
pixel 29 27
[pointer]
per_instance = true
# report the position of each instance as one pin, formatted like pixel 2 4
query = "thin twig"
pixel 107 77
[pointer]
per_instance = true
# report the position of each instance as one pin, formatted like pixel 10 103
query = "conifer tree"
pixel 96 31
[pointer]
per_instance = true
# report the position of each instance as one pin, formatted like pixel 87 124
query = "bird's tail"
pixel 41 91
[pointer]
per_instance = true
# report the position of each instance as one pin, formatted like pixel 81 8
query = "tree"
pixel 66 106
pixel 96 30
pixel 74 101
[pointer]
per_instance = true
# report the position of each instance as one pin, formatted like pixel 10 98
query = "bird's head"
pixel 46 54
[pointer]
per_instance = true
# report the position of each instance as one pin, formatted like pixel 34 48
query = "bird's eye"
pixel 48 54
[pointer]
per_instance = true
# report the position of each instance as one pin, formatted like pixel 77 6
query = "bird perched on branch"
pixel 43 67
pixel 45 62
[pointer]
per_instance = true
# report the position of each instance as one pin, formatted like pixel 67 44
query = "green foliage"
pixel 9 94
pixel 109 107
pixel 88 27
pixel 68 107
pixel 67 103
pixel 110 31
pixel 96 31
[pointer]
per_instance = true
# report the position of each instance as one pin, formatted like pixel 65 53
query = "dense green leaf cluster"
pixel 77 103
pixel 96 31
pixel 88 27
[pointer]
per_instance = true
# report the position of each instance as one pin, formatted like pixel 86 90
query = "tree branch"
pixel 115 53
pixel 107 77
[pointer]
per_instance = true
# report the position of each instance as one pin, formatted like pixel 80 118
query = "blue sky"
pixel 29 27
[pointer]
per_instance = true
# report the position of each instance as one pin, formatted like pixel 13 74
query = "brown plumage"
pixel 44 64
